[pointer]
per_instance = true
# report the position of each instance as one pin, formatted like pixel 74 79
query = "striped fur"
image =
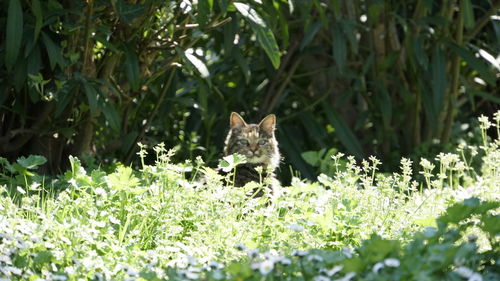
pixel 257 143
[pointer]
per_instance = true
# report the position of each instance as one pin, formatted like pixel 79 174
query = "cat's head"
pixel 255 141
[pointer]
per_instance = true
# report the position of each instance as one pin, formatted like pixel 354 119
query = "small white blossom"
pixel 347 277
pixel 295 227
pixel 464 271
pixel 377 267
pixel 315 258
pixel 266 267
pixel 392 262
pixel 475 277
pixel 321 278
pixel 334 270
pixel 253 253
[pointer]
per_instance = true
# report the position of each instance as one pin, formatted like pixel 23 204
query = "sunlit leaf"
pixel 264 35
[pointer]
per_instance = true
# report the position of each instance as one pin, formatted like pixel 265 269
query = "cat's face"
pixel 255 141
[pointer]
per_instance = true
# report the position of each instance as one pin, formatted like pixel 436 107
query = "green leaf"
pixel 128 12
pixel 418 52
pixel 106 43
pixel 485 95
pixel 32 162
pixel 37 12
pixel 491 224
pixel 63 98
pixel 204 9
pixel 92 96
pixel 468 13
pixel 310 33
pixel 343 132
pixel 222 5
pixel 339 48
pixel 242 62
pixel 475 64
pixel 311 157
pixel 42 257
pixel 350 33
pixel 132 69
pixel 111 115
pixel 54 52
pixel 264 35
pixel 384 102
pixel 14 33
pixel 439 78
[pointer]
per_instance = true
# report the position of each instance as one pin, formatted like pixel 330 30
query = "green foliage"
pixel 178 221
pixel 377 78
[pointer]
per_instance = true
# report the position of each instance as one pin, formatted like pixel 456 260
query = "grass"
pixel 179 221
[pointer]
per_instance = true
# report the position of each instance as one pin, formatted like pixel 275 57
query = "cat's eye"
pixel 262 142
pixel 243 142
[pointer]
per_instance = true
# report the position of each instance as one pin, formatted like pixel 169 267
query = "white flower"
pixel 347 277
pixel 266 266
pixel 59 277
pixel 315 258
pixel 299 253
pixel 295 227
pixel 253 253
pixel 73 182
pixel 464 271
pixel 285 261
pixel 321 278
pixel 475 277
pixel 21 190
pixel 377 267
pixel 334 270
pixel 392 262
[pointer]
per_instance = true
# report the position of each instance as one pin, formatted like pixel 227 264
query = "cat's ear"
pixel 236 120
pixel 268 124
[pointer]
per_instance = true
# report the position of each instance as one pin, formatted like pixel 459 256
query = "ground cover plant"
pixel 179 221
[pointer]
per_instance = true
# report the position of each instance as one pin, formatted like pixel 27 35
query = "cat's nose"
pixel 253 148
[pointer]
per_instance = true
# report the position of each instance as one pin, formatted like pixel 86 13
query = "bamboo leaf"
pixel 132 69
pixel 54 52
pixel 384 102
pixel 92 96
pixel 468 13
pixel 222 5
pixel 310 33
pixel 128 12
pixel 37 12
pixel 485 95
pixel 439 78
pixel 339 48
pixel 203 12
pixel 242 62
pixel 475 63
pixel 343 132
pixel 264 35
pixel 418 52
pixel 111 115
pixel 14 33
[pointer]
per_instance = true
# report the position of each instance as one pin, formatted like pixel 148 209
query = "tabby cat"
pixel 258 144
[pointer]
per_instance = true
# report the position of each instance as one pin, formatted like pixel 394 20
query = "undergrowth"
pixel 179 221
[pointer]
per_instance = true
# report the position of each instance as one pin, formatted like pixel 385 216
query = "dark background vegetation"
pixel 384 78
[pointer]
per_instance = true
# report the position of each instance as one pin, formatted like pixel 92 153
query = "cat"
pixel 258 144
